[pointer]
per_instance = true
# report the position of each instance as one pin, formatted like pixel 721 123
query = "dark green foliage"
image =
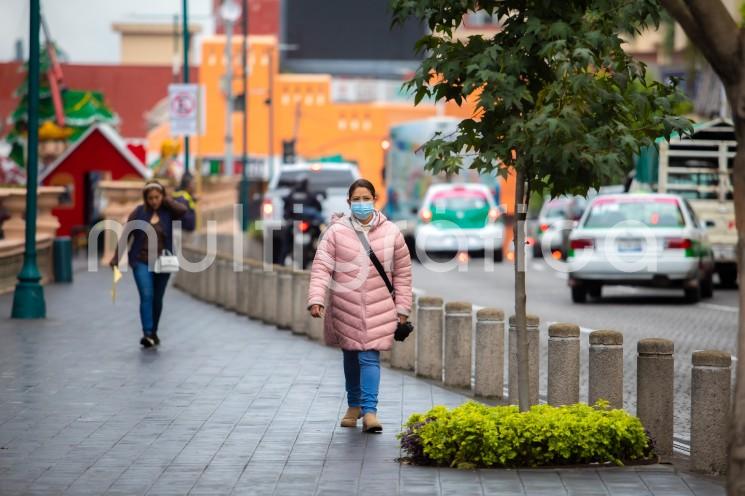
pixel 553 83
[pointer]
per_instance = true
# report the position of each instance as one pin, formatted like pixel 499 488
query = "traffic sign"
pixel 184 107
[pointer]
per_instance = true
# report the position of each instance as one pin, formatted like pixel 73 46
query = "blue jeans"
pixel 151 287
pixel 362 374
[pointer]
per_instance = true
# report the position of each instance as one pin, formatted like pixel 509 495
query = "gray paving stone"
pixel 224 406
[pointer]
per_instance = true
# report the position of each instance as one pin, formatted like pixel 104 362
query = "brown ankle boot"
pixel 350 418
pixel 370 423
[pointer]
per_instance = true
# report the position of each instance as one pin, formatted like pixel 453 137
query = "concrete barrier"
pixel 458 344
pixel 403 353
pixel 655 395
pixel 244 287
pixel 429 337
pixel 710 411
pixel 300 315
pixel 532 323
pixel 563 364
pixel 489 376
pixel 255 293
pixel 315 329
pixel 270 280
pixel 605 379
pixel 221 285
pixel 232 286
pixel 283 310
pixel 212 275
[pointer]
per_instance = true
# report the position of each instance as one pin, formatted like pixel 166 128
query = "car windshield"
pixel 658 212
pixel 556 211
pixel 457 201
pixel 318 181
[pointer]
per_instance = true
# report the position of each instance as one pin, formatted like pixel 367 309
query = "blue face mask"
pixel 362 209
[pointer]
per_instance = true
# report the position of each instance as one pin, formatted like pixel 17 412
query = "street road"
pixel 637 313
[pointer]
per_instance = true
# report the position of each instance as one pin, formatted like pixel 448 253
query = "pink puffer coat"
pixel 361 314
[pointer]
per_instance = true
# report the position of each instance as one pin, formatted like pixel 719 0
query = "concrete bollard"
pixel 283 315
pixel 655 392
pixel 233 282
pixel 315 329
pixel 458 344
pixel 531 325
pixel 204 282
pixel 429 337
pixel 212 286
pixel 563 364
pixel 255 299
pixel 606 368
pixel 403 353
pixel 244 284
pixel 489 380
pixel 271 279
pixel 300 315
pixel 710 410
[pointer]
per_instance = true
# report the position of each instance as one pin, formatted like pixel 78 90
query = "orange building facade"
pixel 302 108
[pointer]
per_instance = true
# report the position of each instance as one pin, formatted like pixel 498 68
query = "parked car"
pixel 652 240
pixel 329 181
pixel 460 217
pixel 555 221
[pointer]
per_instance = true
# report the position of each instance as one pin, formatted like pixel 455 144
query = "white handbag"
pixel 166 263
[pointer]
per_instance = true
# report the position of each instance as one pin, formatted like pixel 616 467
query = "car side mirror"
pixel 708 224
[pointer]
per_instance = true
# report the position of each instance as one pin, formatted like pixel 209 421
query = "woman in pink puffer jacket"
pixel 360 314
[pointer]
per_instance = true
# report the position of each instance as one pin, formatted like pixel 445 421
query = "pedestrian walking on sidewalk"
pixel 361 314
pixel 159 210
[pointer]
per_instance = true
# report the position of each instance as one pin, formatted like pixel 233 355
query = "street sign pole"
pixel 185 29
pixel 28 299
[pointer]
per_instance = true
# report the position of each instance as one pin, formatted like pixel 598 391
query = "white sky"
pixel 82 28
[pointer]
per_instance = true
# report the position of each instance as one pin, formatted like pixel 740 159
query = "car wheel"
pixel 728 278
pixel 707 286
pixel 537 252
pixel 498 256
pixel 579 294
pixel 693 295
pixel 596 292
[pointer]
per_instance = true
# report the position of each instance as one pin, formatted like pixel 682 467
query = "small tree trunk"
pixel 736 472
pixel 521 210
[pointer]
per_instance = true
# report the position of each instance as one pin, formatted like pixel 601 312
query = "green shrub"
pixel 477 435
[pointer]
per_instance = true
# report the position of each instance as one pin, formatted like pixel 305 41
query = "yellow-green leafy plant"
pixel 477 435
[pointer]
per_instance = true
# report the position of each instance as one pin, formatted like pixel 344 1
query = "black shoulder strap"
pixel 374 259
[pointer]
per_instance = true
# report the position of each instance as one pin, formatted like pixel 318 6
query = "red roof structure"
pixel 130 90
pixel 100 153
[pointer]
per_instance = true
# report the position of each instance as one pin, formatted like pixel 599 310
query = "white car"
pixel 460 217
pixel 650 240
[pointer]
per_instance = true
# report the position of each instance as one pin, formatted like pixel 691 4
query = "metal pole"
pixel 28 299
pixel 270 109
pixel 185 29
pixel 228 164
pixel 244 186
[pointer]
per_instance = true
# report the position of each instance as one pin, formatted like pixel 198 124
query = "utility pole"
pixel 28 298
pixel 244 185
pixel 185 33
pixel 229 11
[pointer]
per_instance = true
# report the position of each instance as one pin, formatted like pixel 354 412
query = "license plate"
pixel 723 252
pixel 629 246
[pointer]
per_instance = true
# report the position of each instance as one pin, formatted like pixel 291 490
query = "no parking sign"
pixel 184 107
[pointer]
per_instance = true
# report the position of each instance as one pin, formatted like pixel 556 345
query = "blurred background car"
pixel 652 240
pixel 555 221
pixel 329 182
pixel 460 217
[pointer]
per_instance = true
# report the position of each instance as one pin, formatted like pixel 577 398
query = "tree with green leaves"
pixel 716 34
pixel 557 99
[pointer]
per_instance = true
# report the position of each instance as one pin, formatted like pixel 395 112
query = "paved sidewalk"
pixel 225 406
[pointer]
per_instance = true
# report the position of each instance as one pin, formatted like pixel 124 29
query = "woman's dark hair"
pixel 152 184
pixel 361 183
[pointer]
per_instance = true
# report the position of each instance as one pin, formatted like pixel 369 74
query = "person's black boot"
pixel 147 342
pixel 155 338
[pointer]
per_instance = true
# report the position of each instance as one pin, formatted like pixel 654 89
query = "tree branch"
pixel 712 30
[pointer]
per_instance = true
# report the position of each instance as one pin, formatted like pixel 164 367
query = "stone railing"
pixel 11 261
pixel 463 350
pixel 14 201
